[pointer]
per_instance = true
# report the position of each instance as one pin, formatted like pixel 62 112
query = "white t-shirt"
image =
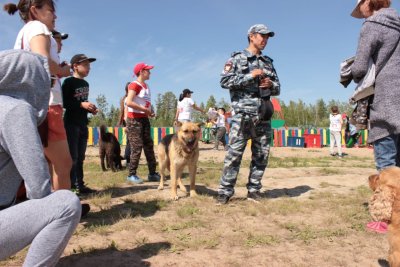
pixel 220 121
pixel 142 98
pixel 185 108
pixel 336 124
pixel 25 35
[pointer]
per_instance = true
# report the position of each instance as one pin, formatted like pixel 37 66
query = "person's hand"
pixel 89 107
pixel 257 72
pixel 148 112
pixel 65 70
pixel 265 83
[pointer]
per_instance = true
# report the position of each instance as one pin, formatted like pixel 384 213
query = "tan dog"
pixel 385 206
pixel 175 151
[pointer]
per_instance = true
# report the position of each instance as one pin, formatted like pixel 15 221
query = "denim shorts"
pixel 386 151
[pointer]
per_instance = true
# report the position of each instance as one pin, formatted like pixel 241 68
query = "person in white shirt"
pixel 36 36
pixel 335 128
pixel 219 123
pixel 186 106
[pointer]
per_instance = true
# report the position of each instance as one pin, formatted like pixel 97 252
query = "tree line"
pixel 296 113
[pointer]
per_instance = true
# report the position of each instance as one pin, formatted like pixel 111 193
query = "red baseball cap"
pixel 141 66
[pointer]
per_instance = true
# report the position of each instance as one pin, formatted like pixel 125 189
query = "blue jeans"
pixel 387 152
pixel 77 136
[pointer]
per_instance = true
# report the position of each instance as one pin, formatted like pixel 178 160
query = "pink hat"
pixel 141 66
pixel 356 12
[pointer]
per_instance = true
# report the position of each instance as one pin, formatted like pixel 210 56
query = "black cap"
pixel 187 91
pixel 81 57
pixel 57 34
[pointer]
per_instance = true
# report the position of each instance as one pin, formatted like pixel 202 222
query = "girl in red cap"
pixel 138 124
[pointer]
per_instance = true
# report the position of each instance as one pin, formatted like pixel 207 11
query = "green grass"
pixel 187 210
pixel 255 240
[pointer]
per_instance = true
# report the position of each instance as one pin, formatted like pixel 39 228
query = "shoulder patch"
pixel 228 66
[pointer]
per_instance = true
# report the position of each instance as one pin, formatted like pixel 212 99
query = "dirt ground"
pixel 314 214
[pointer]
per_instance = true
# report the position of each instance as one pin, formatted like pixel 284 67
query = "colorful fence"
pixel 157 133
pixel 279 139
pixel 280 136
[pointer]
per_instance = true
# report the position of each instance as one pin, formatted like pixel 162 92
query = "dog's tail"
pixel 103 131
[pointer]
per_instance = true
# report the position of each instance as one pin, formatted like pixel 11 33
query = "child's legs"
pixel 82 144
pixel 332 142
pixel 221 135
pixel 148 146
pixel 47 224
pixel 59 156
pixel 73 143
pixel 57 150
pixel 338 141
pixel 135 133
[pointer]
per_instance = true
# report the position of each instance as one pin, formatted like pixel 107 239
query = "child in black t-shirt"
pixel 75 96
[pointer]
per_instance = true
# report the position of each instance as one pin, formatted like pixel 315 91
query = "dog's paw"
pixel 160 187
pixel 183 189
pixel 175 198
pixel 193 193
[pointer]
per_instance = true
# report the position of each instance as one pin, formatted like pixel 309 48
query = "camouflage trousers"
pixel 241 131
pixel 140 137
pixel 360 115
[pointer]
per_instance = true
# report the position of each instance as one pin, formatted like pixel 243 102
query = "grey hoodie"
pixel 378 39
pixel 24 98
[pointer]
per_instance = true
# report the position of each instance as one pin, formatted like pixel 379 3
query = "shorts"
pixel 56 123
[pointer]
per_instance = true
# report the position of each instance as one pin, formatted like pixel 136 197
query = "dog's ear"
pixel 381 203
pixel 177 123
pixel 373 181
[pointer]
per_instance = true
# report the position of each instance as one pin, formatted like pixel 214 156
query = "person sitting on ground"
pixel 47 220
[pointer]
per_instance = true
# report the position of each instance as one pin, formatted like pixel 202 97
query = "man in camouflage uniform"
pixel 251 79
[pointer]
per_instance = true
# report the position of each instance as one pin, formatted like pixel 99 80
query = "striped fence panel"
pixel 279 135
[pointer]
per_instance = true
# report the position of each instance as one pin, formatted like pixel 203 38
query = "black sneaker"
pixel 85 190
pixel 222 199
pixel 254 196
pixel 85 210
pixel 155 177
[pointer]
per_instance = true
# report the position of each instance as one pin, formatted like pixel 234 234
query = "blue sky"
pixel 189 42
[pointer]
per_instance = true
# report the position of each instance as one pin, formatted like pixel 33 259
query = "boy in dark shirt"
pixel 75 92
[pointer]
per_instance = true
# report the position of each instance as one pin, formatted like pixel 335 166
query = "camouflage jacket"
pixel 244 89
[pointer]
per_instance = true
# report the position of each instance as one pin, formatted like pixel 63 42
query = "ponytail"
pixel 24 7
pixel 10 8
pixel 181 97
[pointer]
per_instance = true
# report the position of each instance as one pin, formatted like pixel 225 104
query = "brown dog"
pixel 385 206
pixel 175 151
pixel 110 149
